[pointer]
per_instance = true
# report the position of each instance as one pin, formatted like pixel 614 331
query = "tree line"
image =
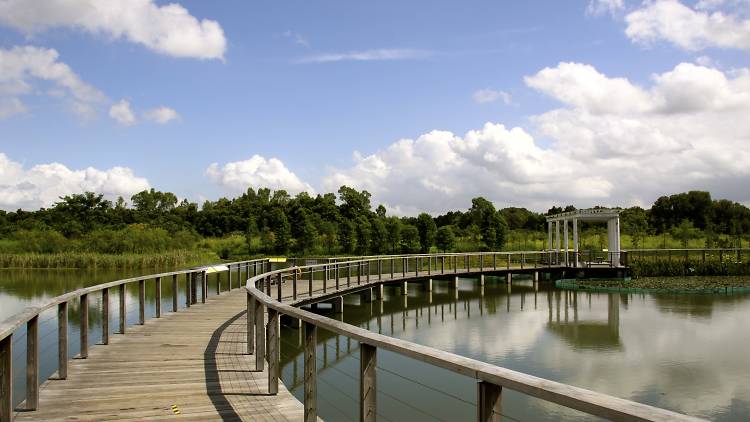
pixel 275 222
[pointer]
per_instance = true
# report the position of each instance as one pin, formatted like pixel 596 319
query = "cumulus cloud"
pixel 122 113
pixel 169 29
pixel 368 55
pixel 688 28
pixel 22 67
pixel 256 172
pixel 611 143
pixel 161 115
pixel 42 185
pixel 490 95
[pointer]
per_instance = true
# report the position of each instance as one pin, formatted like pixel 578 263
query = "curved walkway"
pixel 192 363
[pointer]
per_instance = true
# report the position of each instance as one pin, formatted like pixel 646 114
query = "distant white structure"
pixel 611 216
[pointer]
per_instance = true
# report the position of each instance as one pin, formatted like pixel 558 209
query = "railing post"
pixel 442 264
pixel 62 340
pixel 267 284
pixel 294 284
pixel 404 266
pixel 311 383
pixel 260 336
pixel 392 262
pixel 278 287
pixel 367 383
pixel 494 261
pixel 122 308
pixel 218 283
pixel 273 351
pixel 348 274
pixel 417 261
pixel 455 263
pixel 359 273
pixel 310 278
pixel 121 296
pixel 141 302
pixel 367 265
pixel 105 316
pixel 229 276
pixel 32 363
pixel 6 379
pixel 336 274
pixel 188 292
pixel 489 402
pixel 380 269
pixel 481 262
pixel 204 286
pixel 250 324
pixel 84 326
pixel 157 293
pixel 175 292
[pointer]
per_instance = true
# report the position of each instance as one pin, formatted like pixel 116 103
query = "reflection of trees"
pixel 694 305
pixel 584 334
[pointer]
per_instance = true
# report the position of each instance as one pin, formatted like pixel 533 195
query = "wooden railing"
pixel 263 339
pixel 29 318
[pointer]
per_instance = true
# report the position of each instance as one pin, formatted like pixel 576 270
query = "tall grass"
pixel 169 259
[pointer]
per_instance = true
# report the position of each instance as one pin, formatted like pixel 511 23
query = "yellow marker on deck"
pixel 175 409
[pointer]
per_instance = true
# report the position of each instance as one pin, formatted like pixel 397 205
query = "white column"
pixel 575 241
pixel 549 235
pixel 610 237
pixel 616 235
pixel 565 242
pixel 557 236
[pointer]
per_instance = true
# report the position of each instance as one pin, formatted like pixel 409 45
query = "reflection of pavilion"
pixel 584 334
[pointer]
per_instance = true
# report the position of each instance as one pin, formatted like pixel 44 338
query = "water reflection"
pixel 681 352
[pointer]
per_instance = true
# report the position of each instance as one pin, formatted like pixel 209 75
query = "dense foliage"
pixel 273 222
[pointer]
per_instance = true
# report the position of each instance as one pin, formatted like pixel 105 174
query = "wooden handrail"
pixel 492 378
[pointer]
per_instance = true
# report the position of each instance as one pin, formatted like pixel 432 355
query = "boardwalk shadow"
pixel 213 373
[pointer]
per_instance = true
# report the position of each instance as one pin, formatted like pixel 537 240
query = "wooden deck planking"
pixel 193 359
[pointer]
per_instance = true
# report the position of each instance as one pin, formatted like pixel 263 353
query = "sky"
pixel 425 104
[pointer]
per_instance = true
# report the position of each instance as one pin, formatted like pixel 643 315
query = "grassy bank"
pixel 672 283
pixel 681 268
pixel 170 259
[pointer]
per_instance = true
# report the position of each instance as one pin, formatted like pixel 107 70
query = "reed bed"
pixel 170 259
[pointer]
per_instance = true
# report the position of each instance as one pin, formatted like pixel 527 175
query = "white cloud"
pixel 687 28
pixel 296 38
pixel 167 29
pixel 42 185
pixel 257 172
pixel 490 96
pixel 368 55
pixel 22 67
pixel 10 107
pixel 612 143
pixel 161 115
pixel 601 7
pixel 122 113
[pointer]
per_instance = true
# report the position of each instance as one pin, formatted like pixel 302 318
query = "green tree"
pixel 393 227
pixel 409 239
pixel 281 230
pixel 685 232
pixel 427 231
pixel 445 238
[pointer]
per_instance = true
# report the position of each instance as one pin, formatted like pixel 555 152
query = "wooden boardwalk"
pixel 192 362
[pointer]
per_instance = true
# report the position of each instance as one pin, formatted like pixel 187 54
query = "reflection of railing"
pixel 263 341
pixel 29 321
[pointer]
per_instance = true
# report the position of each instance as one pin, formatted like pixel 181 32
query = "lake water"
pixel 687 353
pixel 682 352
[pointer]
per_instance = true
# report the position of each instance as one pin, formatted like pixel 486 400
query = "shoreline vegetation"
pixel 693 284
pixel 155 229
pixel 91 260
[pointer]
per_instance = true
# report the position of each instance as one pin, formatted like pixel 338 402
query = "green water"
pixel 686 353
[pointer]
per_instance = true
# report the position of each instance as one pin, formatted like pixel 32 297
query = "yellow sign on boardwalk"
pixel 279 259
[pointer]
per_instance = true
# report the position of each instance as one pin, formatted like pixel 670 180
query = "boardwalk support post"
pixel 157 299
pixel 122 308
pixel 367 383
pixel 260 336
pixel 489 402
pixel 6 379
pixel 62 340
pixel 311 383
pixel 84 326
pixel 250 323
pixel 32 363
pixel 273 351
pixel 105 316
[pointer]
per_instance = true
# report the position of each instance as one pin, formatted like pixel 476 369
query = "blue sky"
pixel 313 83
